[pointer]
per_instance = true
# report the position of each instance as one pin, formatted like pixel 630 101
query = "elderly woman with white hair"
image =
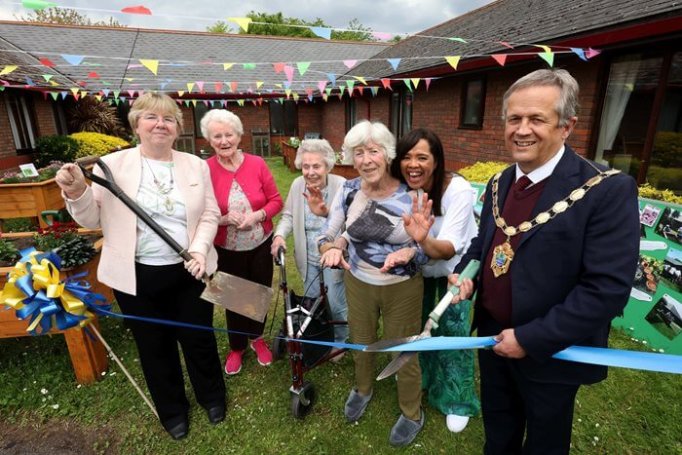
pixel 305 212
pixel 248 199
pixel 382 264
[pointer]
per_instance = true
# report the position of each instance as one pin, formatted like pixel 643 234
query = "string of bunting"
pixel 35 290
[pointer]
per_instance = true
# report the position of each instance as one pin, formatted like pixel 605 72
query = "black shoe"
pixel 179 430
pixel 216 414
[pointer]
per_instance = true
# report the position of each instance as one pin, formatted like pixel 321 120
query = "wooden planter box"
pixel 88 356
pixel 29 199
pixel 289 154
pixel 345 170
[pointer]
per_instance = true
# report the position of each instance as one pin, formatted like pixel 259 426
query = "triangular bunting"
pixel 37 4
pixel 374 90
pixel 259 84
pixel 415 82
pixel 302 67
pixel 394 62
pixel 243 22
pixel 8 69
pixel 350 63
pixel 151 65
pixel 47 77
pixel 73 59
pixel 453 60
pixel 227 66
pixel 190 86
pixel 47 62
pixel 279 67
pixel 361 80
pixel 459 40
pixel 249 66
pixel 548 57
pixel 322 32
pixel 321 85
pixel 387 84
pixel 137 10
pixel 592 53
pixel 501 59
pixel 427 81
pixel 332 78
pixel 579 52
pixel 289 71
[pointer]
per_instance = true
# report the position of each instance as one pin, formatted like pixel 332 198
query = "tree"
pixel 220 27
pixel 66 16
pixel 278 25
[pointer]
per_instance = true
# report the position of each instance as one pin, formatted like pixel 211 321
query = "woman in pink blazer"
pixel 148 278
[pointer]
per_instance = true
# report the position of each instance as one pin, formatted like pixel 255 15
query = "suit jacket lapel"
pixel 563 180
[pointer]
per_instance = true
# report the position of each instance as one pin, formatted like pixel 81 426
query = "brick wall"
pixel 46 124
pixel 334 121
pixel 309 117
pixel 439 110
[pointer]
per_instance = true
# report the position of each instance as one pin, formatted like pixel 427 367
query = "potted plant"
pixel 22 196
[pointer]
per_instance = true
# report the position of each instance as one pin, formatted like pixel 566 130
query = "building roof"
pixel 518 22
pixel 183 57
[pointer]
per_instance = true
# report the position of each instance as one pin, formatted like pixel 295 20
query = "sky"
pixel 387 16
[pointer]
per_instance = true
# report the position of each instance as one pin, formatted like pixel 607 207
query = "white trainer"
pixel 456 423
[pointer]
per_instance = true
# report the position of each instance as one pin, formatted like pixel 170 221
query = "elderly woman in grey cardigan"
pixel 305 212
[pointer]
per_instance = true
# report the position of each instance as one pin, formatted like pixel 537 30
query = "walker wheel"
pixel 302 402
pixel 279 347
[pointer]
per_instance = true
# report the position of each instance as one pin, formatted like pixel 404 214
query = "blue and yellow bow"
pixel 35 290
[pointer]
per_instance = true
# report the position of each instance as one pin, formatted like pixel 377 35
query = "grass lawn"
pixel 43 409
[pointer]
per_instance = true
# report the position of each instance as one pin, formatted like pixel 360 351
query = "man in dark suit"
pixel 558 245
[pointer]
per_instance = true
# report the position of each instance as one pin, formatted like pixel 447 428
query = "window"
pixel 351 113
pixel 199 110
pixel 401 112
pixel 473 103
pixel 283 118
pixel 59 118
pixel 641 122
pixel 22 121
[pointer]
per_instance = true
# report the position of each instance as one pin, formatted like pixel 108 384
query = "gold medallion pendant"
pixel 503 255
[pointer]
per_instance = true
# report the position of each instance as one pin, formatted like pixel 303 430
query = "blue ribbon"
pixel 648 361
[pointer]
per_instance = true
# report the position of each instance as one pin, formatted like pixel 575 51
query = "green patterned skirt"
pixel 448 376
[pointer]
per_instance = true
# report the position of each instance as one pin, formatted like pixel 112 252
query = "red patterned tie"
pixel 522 183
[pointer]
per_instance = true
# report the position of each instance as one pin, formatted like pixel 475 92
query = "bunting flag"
pixel 259 84
pixel 453 60
pixel 381 36
pixel 415 82
pixel 73 59
pixel 350 63
pixel 295 96
pixel 321 85
pixel 394 62
pixel 501 59
pixel 350 85
pixel 117 93
pixel 387 84
pixel 302 67
pixel 8 69
pixel 181 93
pixel 47 62
pixel 218 87
pixel 227 66
pixel 547 55
pixel 37 4
pixel 506 44
pixel 287 92
pixel 374 90
pixel 249 66
pixel 243 22
pixel 93 75
pixel 407 83
pixel 233 87
pixel 190 86
pixel 427 81
pixel 131 93
pixel 30 82
pixel 361 80
pixel 322 32
pixel 332 78
pixel 279 67
pixel 592 53
pixel 47 77
pixel 151 65
pixel 459 40
pixel 579 52
pixel 137 10
pixel 200 84
pixel 289 71
pixel 54 95
pixel 328 91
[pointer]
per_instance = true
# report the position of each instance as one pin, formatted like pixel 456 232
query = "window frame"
pixel 464 104
pixel 24 140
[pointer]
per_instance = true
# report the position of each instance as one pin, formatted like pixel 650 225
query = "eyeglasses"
pixel 166 119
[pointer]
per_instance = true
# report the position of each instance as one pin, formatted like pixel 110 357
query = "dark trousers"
pixel 169 292
pixel 513 404
pixel 254 265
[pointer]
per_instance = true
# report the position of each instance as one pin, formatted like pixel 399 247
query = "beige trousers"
pixel 399 305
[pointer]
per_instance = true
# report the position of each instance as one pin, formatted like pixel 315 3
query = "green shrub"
pixel 97 144
pixel 482 171
pixel 649 192
pixel 8 251
pixel 17 225
pixel 54 148
pixel 74 249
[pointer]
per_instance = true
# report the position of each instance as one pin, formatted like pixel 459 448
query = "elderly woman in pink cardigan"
pixel 248 199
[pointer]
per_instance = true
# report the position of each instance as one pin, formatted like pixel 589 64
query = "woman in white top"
pixel 448 376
